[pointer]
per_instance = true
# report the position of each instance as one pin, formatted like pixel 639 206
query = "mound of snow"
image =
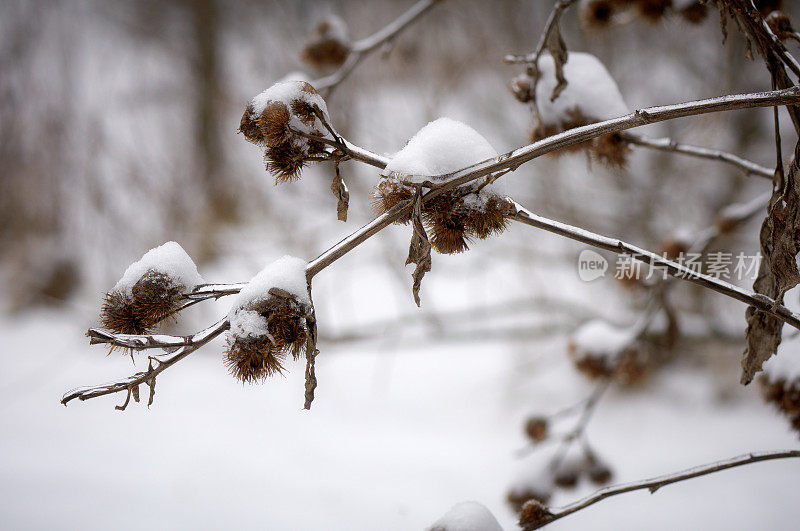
pixel 467 516
pixel 169 259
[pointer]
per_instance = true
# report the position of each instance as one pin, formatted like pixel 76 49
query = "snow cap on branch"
pixel 168 259
pixel 467 516
pixel 600 350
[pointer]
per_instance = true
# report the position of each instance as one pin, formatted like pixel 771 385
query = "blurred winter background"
pixel 118 132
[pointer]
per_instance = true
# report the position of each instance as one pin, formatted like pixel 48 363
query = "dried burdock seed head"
pixel 329 46
pixel 780 382
pixel 601 351
pixel 285 162
pixel 446 223
pixel 536 428
pixel 156 296
pixel 274 123
pixel 252 359
pixel 388 192
pixel 599 473
pixel 653 10
pixel 487 214
pixel 315 148
pixel 534 514
pixel 673 247
pixel 566 477
pixel 250 126
pixel 272 318
pixel 695 12
pixel 596 14
pixel 611 150
pixel 521 87
pixel 780 24
pixel 117 314
pixel 150 290
pixel 304 111
pixel 517 499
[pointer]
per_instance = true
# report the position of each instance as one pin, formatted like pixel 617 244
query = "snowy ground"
pixel 396 436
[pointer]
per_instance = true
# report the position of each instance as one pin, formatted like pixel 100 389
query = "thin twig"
pixel 360 49
pixel 656 483
pixel 674 269
pixel 672 146
pixel 552 20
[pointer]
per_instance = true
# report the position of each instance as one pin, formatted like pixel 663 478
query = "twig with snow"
pixel 541 516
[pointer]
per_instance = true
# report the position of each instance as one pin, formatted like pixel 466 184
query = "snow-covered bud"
pixel 536 428
pixel 780 24
pixel 533 482
pixel 466 516
pixel 288 120
pixel 150 290
pixel 596 14
pixel 328 46
pixel 601 351
pixel 591 95
pixel 521 87
pixel 780 382
pixel 473 210
pixel 534 514
pixel 272 317
pixel 692 11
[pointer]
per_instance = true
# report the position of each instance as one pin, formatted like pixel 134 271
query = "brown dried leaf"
pixel 311 355
pixel 419 251
pixel 342 195
pixel 777 273
pixel 558 50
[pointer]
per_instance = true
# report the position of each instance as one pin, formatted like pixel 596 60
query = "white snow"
pixel 286 92
pixel 247 323
pixel 532 476
pixel 590 89
pixel 785 365
pixel 600 337
pixel 467 516
pixel 287 273
pixel 169 259
pixel 441 147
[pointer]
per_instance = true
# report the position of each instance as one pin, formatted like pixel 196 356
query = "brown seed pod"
pixel 534 514
pixel 653 10
pixel 783 394
pixel 253 355
pixel 388 192
pixel 611 150
pixel 491 219
pixel 521 87
pixel 446 221
pixel 780 24
pixel 518 498
pixel 118 315
pixel 627 368
pixel 274 123
pixel 536 428
pixel 250 126
pixel 285 162
pixel 694 13
pixel 596 14
pixel 304 111
pixel 599 473
pixel 567 476
pixel 325 53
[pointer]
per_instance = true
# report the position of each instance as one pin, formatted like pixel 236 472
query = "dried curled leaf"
pixel 342 195
pixel 777 273
pixel 558 50
pixel 419 251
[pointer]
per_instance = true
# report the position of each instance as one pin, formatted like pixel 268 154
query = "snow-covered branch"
pixel 535 515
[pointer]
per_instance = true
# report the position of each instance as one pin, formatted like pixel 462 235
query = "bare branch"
pixel 674 269
pixel 147 377
pixel 672 146
pixel 656 483
pixel 364 47
pixel 552 21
